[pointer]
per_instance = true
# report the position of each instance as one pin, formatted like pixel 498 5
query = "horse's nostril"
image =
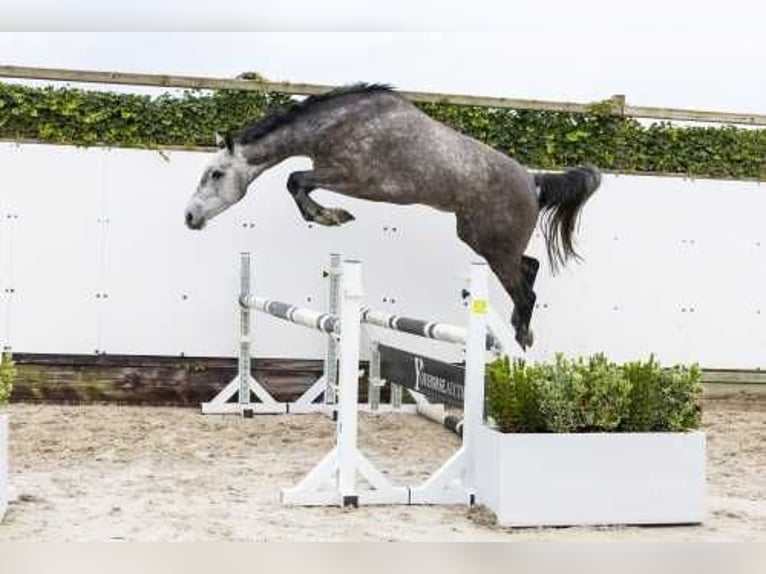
pixel 189 218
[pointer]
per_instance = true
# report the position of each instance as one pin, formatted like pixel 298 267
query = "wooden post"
pixel 618 105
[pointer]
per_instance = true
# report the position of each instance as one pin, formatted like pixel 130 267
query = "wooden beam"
pixel 695 116
pixel 739 377
pixel 153 380
pixel 207 83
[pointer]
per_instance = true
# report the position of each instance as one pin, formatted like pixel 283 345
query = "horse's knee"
pixel 294 183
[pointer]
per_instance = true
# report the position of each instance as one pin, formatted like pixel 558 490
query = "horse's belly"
pixel 408 193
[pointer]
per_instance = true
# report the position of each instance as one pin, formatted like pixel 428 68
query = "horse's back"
pixel 400 154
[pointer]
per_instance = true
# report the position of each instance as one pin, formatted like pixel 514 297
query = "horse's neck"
pixel 277 146
pixel 304 134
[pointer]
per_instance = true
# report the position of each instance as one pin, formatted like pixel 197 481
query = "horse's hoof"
pixel 342 216
pixel 525 339
pixel 333 217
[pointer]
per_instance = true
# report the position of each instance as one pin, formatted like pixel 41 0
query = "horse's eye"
pixel 216 174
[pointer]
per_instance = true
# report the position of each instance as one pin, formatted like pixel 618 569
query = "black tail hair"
pixel 562 196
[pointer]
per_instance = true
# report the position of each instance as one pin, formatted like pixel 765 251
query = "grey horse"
pixel 369 142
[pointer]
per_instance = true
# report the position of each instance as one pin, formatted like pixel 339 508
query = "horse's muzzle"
pixel 193 222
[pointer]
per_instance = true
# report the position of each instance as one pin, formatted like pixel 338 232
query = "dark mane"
pixel 284 116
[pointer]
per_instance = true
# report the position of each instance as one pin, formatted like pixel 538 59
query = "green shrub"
pixel 7 374
pixel 679 405
pixel 514 403
pixel 662 399
pixel 606 400
pixel 593 395
pixel 559 386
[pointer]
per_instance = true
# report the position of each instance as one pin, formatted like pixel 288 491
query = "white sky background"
pixel 683 53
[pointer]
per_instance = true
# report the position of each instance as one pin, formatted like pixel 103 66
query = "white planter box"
pixel 3 464
pixel 599 478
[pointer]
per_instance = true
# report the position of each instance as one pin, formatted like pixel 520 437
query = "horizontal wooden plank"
pixel 152 380
pixel 149 380
pixel 139 361
pixel 200 82
pixel 289 88
pixel 713 117
pixel 726 376
pixel 734 391
pixel 189 381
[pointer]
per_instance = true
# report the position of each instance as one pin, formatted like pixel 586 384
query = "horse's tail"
pixel 562 196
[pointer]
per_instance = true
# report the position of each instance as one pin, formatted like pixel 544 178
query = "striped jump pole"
pixel 424 328
pixel 324 322
pixel 443 332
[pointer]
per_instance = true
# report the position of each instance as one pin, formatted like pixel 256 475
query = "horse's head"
pixel 223 183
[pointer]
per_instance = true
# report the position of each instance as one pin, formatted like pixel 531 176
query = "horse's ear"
pixel 224 142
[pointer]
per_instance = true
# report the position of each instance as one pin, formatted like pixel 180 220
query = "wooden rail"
pixel 187 381
pixel 619 105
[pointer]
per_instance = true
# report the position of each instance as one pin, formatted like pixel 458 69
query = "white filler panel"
pixel 94 255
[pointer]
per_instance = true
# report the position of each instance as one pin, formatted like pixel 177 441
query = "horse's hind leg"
pixel 510 273
pixel 515 271
pixel 529 268
pixel 300 184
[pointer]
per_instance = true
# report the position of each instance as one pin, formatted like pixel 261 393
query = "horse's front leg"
pixel 300 184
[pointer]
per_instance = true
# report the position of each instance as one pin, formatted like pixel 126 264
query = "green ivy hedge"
pixel 592 395
pixel 546 140
pixel 85 117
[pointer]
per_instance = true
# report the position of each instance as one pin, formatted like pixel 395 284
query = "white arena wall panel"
pixel 92 243
pixel 52 228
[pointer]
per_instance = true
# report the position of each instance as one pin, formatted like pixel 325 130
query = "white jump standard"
pixel 333 480
pixel 244 385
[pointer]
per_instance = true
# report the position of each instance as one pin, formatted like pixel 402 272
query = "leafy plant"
pixel 645 395
pixel 512 396
pixel 544 140
pixel 663 399
pixel 560 388
pixel 593 395
pixel 7 376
